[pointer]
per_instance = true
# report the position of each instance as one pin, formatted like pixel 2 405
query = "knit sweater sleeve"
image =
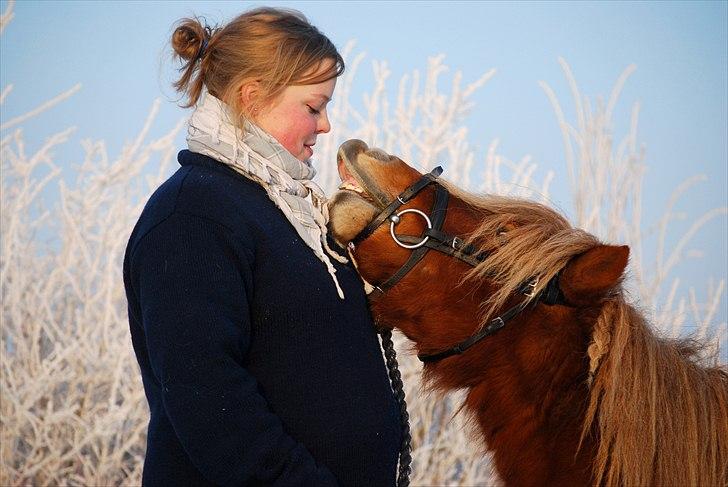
pixel 193 279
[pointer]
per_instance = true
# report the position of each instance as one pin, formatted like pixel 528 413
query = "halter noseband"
pixel 434 238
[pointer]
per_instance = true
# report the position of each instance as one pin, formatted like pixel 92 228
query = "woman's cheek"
pixel 295 130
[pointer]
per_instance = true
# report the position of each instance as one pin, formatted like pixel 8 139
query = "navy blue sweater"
pixel 255 371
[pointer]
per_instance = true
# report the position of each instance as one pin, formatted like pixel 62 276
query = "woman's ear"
pixel 249 95
pixel 588 277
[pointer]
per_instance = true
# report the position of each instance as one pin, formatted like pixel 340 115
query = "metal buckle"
pixel 497 323
pixel 454 243
pixel 532 286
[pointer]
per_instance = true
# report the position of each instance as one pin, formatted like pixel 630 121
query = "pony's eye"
pixel 502 234
pixel 505 229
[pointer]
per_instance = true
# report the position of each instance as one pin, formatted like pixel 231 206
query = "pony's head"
pixel 442 299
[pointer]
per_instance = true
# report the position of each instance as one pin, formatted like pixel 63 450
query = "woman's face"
pixel 297 116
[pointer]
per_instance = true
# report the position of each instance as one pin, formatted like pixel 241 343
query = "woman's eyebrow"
pixel 321 95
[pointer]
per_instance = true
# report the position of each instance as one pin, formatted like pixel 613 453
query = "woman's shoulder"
pixel 209 189
pixel 208 183
pixel 205 190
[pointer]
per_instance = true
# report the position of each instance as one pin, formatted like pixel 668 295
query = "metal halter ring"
pixel 394 219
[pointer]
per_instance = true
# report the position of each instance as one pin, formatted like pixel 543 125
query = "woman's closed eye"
pixel 313 110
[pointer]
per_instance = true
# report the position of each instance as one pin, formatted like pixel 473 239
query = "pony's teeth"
pixel 351 187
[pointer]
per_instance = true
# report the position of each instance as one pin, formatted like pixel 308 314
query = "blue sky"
pixel 119 52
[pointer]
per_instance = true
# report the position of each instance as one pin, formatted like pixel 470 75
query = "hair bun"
pixel 188 39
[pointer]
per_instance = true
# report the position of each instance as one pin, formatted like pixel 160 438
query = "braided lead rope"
pixel 395 377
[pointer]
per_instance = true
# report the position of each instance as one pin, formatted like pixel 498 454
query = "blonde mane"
pixel 661 415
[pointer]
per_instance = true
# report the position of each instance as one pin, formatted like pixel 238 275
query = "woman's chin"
pixel 307 152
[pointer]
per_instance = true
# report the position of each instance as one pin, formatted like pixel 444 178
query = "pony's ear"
pixel 588 277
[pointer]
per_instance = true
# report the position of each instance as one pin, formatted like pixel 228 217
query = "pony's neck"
pixel 529 398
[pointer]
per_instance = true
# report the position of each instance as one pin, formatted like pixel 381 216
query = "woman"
pixel 257 351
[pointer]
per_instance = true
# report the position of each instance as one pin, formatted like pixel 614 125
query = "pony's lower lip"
pixel 342 170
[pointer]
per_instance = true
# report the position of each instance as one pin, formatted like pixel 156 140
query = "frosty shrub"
pixel 73 410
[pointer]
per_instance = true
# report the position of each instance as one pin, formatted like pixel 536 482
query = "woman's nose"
pixel 323 124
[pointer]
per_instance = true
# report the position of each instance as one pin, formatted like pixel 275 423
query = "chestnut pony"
pixel 567 382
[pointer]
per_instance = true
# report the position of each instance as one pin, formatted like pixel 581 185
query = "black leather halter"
pixel 434 238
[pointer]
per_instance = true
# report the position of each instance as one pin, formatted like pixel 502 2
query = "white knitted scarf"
pixel 259 156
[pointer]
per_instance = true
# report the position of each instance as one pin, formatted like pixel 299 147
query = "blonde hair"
pixel 275 47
